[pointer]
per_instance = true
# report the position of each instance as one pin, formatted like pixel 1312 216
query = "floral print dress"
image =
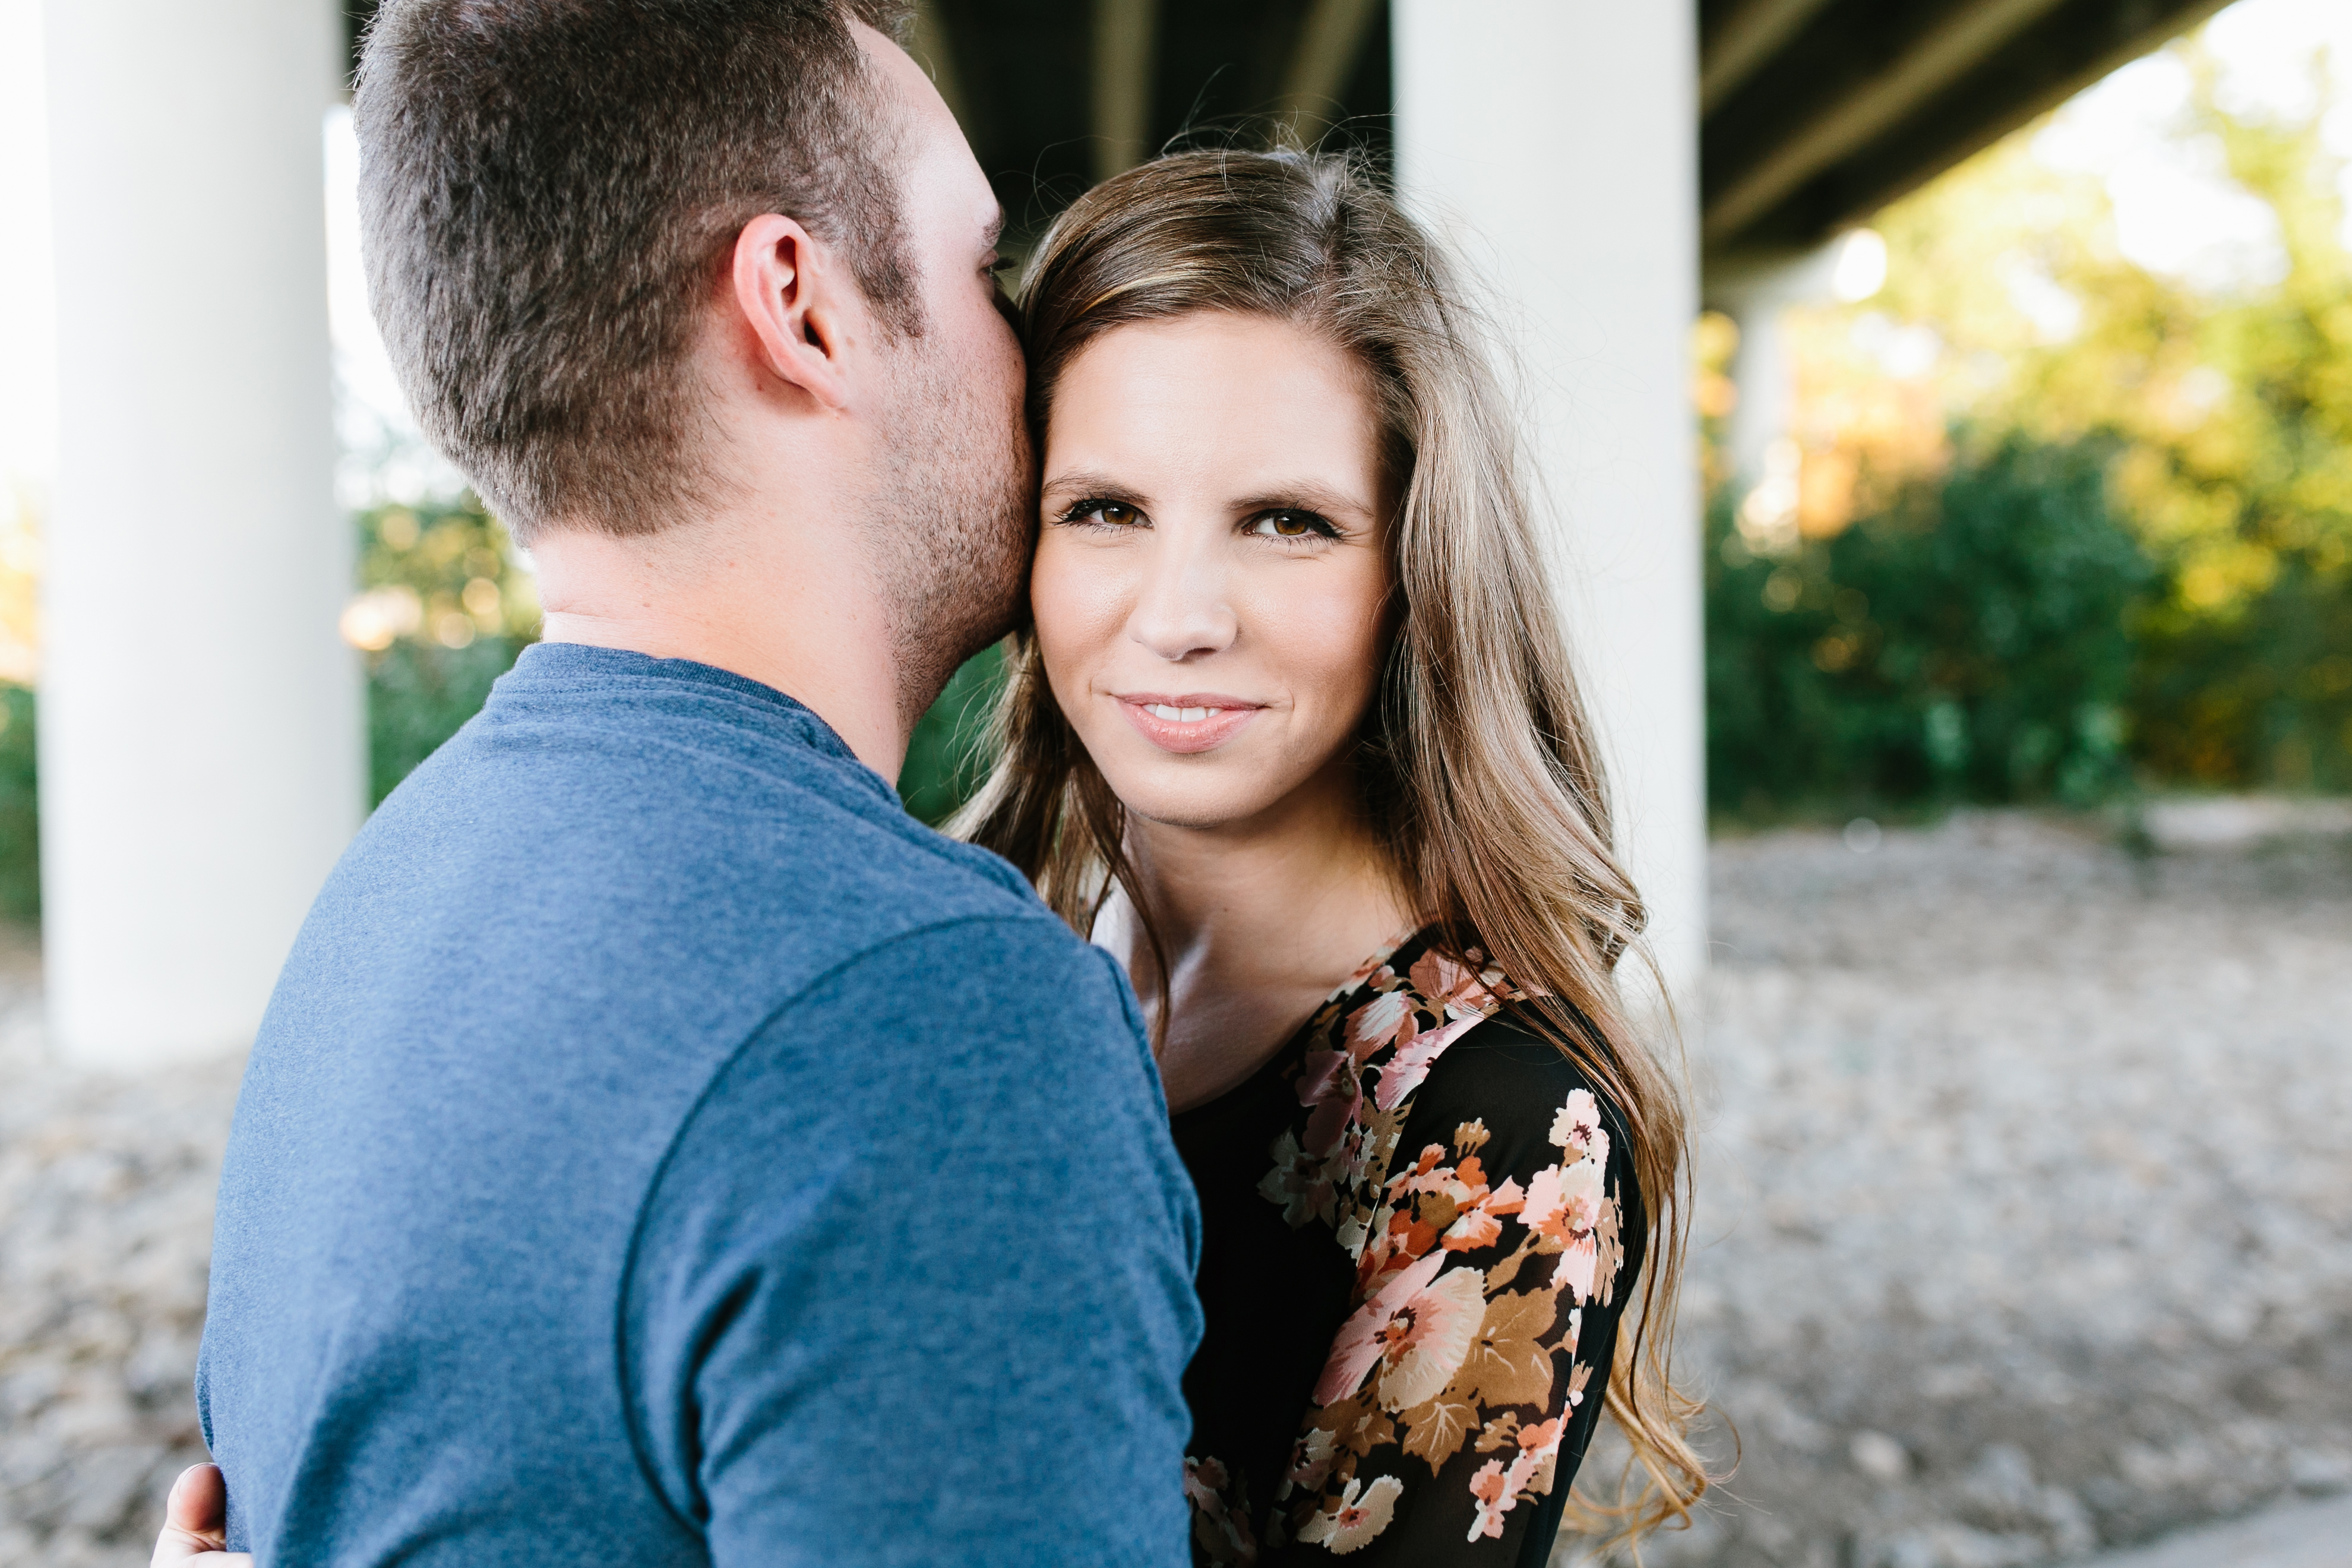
pixel 1415 1225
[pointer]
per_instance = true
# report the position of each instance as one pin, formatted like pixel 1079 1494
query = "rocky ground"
pixel 2025 1224
pixel 106 1198
pixel 2025 1213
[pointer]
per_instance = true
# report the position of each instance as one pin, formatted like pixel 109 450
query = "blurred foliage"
pixel 1971 642
pixel 945 757
pixel 20 827
pixel 443 610
pixel 419 694
pixel 20 578
pixel 2015 347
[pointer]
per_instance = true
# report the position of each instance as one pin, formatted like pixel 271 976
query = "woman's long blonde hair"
pixel 1476 763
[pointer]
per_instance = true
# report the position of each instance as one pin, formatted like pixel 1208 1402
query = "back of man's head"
pixel 549 189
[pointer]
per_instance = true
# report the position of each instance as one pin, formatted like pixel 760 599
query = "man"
pixel 661 1149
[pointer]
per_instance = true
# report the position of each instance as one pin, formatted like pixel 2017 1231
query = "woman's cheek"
pixel 1328 638
pixel 1075 599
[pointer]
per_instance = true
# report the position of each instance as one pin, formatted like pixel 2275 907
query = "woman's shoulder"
pixel 1525 1104
pixel 1426 1041
pixel 1462 1025
pixel 1422 1020
pixel 1520 1074
pixel 1524 1090
pixel 1507 1052
pixel 1506 1154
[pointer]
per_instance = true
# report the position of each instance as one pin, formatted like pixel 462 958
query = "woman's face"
pixel 1212 571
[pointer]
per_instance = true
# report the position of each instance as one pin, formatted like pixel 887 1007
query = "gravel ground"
pixel 2025 1217
pixel 2025 1193
pixel 106 1201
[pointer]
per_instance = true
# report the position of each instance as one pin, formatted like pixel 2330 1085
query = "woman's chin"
pixel 1199 801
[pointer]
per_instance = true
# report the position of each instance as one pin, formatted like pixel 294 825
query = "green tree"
pixel 2225 418
pixel 443 612
pixel 1971 642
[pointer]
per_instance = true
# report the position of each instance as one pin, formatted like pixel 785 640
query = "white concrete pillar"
pixel 201 735
pixel 1764 374
pixel 1766 462
pixel 1556 142
pixel 1766 466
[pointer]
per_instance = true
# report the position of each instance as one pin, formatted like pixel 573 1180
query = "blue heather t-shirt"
pixel 661 1149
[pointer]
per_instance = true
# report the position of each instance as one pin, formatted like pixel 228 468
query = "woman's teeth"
pixel 1179 715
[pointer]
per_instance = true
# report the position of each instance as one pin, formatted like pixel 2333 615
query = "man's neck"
pixel 745 594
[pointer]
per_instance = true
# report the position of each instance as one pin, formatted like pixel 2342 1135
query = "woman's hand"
pixel 195 1525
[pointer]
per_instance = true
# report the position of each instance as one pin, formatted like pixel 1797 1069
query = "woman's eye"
pixel 1288 524
pixel 1103 513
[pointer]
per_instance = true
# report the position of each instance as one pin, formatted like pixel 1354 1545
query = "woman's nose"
pixel 1183 612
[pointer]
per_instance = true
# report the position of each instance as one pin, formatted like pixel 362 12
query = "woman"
pixel 1293 712
pixel 1293 734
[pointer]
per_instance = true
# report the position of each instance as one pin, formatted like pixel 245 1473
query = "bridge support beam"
pixel 1555 141
pixel 201 729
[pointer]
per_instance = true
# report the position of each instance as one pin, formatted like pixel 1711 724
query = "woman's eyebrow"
pixel 1086 481
pixel 1307 495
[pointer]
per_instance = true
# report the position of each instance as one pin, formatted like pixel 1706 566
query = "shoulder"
pixel 975 1032
pixel 1534 1100
pixel 1428 1034
pixel 987 1069
pixel 1509 1153
pixel 712 778
pixel 719 841
pixel 1502 1057
pixel 1522 1078
pixel 981 970
pixel 927 1168
pixel 1541 1122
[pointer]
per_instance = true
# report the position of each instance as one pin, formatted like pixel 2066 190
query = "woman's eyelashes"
pixel 1290 524
pixel 1284 525
pixel 1094 512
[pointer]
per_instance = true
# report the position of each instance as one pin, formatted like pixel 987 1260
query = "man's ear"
pixel 791 292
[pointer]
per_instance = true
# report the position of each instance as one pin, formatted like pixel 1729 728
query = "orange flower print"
pixel 1473 1230
pixel 1563 1207
pixel 1400 1242
pixel 1222 1532
pixel 1417 1330
pixel 1493 1495
pixel 1464 989
pixel 1413 1059
pixel 1427 1379
pixel 1578 1129
pixel 1378 1022
pixel 1357 1519
pixel 1499 1489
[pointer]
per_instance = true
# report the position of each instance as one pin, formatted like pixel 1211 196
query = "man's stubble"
pixel 951 523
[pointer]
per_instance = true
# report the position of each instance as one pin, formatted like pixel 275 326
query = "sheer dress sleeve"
pixel 1460 1393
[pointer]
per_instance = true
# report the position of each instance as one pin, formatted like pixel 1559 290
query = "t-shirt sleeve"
pixel 1460 1393
pixel 915 1285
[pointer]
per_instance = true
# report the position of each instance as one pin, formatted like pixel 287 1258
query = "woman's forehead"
pixel 1216 393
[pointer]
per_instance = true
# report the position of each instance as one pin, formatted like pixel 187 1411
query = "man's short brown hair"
pixel 547 187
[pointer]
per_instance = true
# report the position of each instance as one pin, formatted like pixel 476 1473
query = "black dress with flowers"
pixel 1416 1220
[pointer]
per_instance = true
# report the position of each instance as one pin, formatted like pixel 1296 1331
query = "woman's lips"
pixel 1193 721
